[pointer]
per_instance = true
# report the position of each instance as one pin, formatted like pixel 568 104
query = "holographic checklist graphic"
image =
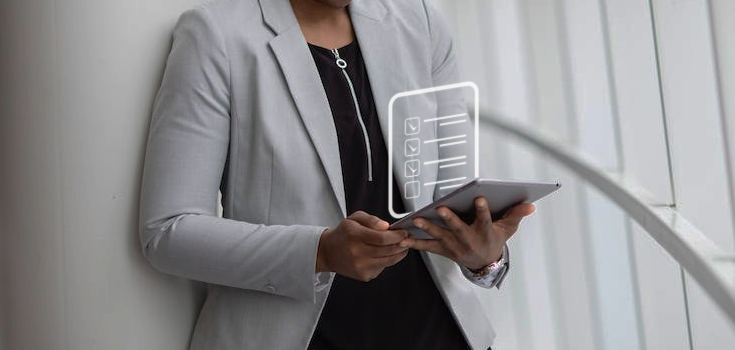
pixel 433 142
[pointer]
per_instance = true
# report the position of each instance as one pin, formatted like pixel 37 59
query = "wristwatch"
pixel 487 269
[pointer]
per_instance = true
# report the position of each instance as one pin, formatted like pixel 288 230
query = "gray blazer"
pixel 241 109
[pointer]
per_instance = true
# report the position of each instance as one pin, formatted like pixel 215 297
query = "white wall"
pixel 78 83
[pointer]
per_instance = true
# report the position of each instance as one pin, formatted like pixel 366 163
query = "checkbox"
pixel 413 168
pixel 413 126
pixel 413 189
pixel 412 147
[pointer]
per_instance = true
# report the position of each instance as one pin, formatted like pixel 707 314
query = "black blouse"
pixel 402 308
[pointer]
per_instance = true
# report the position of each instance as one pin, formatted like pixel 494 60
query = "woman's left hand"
pixel 474 246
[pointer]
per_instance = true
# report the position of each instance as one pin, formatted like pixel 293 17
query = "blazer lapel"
pixel 385 61
pixel 304 83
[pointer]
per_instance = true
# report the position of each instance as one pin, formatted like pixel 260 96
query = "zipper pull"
pixel 340 62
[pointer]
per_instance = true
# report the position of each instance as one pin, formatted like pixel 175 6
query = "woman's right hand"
pixel 360 247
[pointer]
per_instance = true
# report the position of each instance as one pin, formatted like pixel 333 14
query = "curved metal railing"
pixel 695 252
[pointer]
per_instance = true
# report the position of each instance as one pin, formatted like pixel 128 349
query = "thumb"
pixel 515 215
pixel 369 221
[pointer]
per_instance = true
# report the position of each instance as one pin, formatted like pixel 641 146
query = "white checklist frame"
pixel 475 113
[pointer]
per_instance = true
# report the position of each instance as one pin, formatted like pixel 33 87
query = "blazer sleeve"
pixel 444 72
pixel 188 143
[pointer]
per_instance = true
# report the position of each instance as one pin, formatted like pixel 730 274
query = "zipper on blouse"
pixel 342 64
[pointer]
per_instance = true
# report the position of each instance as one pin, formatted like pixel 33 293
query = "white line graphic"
pixel 444 160
pixel 445 181
pixel 406 124
pixel 452 144
pixel 446 138
pixel 447 117
pixel 451 165
pixel 455 122
pixel 450 186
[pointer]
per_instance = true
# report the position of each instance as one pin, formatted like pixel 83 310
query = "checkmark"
pixel 413 126
pixel 412 147
pixel 413 168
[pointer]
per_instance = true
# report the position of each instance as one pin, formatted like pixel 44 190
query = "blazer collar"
pixel 279 16
pixel 369 8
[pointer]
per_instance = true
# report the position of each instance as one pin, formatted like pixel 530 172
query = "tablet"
pixel 500 195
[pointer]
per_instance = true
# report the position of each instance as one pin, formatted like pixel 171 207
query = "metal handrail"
pixel 693 250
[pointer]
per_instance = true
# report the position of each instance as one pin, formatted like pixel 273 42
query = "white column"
pixel 596 116
pixel 692 111
pixel 645 159
pixel 722 21
pixel 561 234
pixel 78 82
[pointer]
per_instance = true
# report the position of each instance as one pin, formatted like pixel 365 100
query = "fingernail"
pixel 442 213
pixel 418 224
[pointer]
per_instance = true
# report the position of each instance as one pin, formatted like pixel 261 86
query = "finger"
pixel 520 211
pixel 483 216
pixel 453 222
pixel 432 229
pixel 386 251
pixel 428 245
pixel 511 221
pixel 393 259
pixel 383 238
pixel 369 221
pixel 523 209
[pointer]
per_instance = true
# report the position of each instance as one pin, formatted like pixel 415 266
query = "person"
pixel 281 107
